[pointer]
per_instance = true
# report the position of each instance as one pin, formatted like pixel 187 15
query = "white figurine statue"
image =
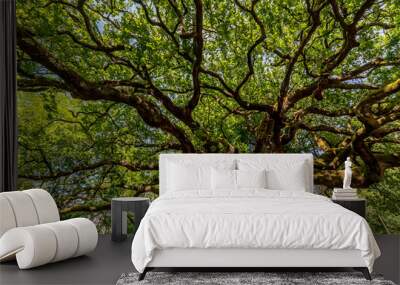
pixel 347 174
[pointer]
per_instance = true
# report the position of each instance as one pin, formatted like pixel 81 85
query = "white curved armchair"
pixel 31 230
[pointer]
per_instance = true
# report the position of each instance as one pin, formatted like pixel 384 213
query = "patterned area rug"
pixel 243 278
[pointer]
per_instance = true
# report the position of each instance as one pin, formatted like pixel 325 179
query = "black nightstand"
pixel 358 206
pixel 119 209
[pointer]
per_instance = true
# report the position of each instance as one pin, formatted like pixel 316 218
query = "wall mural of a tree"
pixel 105 86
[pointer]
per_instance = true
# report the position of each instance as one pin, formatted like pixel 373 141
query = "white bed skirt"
pixel 191 257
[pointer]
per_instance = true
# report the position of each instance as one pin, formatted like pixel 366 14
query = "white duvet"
pixel 253 218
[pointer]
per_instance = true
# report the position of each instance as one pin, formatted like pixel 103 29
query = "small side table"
pixel 358 206
pixel 119 208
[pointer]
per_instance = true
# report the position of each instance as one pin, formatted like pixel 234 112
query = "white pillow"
pixel 281 174
pixel 251 178
pixel 223 179
pixel 182 177
pixel 181 171
pixel 291 178
pixel 227 179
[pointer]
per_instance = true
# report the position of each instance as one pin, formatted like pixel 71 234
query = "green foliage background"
pixel 62 137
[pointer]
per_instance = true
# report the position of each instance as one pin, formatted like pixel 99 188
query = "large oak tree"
pixel 319 76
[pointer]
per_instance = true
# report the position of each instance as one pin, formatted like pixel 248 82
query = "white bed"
pixel 249 226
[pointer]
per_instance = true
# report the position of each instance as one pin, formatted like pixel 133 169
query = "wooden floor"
pixel 110 260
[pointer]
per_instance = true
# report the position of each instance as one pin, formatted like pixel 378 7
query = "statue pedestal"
pixel 344 194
